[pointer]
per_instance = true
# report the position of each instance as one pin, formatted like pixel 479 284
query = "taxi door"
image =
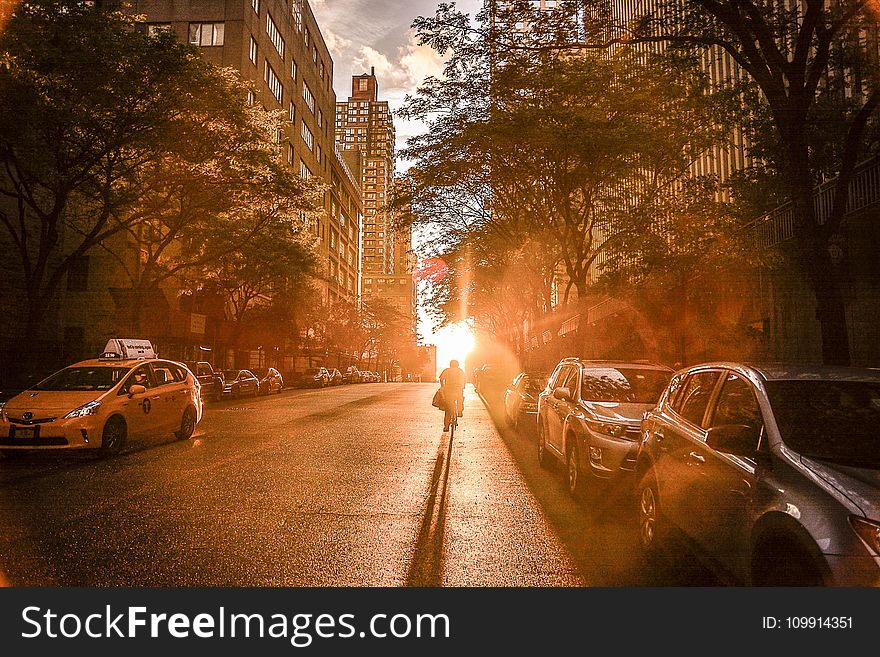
pixel 171 393
pixel 139 410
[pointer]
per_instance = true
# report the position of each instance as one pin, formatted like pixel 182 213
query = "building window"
pixel 256 5
pixel 304 171
pixel 320 119
pixel 290 153
pixel 307 136
pixel 308 97
pixel 315 54
pixel 291 112
pixel 206 34
pixel 362 84
pixel 293 69
pixel 252 98
pixel 297 11
pixel 78 275
pixel 319 154
pixel 252 53
pixel 155 28
pixel 274 35
pixel 321 68
pixel 274 83
pixel 307 38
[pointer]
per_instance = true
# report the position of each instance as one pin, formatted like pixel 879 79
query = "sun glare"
pixel 453 341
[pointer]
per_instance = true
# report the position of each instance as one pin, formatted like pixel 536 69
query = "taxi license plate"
pixel 24 432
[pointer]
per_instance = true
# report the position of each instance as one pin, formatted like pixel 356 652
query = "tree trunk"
pixel 814 261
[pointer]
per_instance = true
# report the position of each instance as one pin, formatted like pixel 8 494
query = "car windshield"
pixel 83 379
pixel 624 385
pixel 230 375
pixel 830 420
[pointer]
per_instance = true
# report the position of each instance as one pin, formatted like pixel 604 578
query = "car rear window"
pixel 831 420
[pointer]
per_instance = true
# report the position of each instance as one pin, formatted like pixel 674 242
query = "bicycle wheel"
pixel 454 423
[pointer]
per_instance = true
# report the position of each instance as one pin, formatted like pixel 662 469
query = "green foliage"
pixel 540 156
pixel 106 131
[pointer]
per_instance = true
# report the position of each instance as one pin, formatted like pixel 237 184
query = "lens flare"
pixel 455 341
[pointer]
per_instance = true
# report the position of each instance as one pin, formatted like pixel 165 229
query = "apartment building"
pixel 365 134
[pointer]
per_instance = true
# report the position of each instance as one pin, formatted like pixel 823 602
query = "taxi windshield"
pixel 82 379
pixel 230 375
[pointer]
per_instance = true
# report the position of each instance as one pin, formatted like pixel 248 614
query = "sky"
pixel 365 33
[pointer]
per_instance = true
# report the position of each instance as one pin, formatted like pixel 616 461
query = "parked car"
pixel 491 381
pixel 210 381
pixel 100 404
pixel 589 417
pixel 315 377
pixel 335 377
pixel 521 399
pixel 771 472
pixel 270 380
pixel 240 383
pixel 351 375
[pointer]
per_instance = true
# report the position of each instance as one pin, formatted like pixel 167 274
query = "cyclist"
pixel 452 382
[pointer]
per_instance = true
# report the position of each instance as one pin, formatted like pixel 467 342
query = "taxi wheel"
pixel 113 436
pixel 187 425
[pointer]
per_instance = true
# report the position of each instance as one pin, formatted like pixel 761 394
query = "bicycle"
pixel 452 422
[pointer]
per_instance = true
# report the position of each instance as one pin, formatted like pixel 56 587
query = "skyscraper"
pixel 365 135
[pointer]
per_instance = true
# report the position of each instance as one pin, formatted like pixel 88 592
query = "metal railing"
pixel 780 225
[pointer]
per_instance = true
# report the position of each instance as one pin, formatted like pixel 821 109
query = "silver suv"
pixel 771 472
pixel 589 416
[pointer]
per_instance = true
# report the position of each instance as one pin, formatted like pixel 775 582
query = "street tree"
pixel 220 188
pixel 538 150
pixel 265 280
pixel 812 67
pixel 86 103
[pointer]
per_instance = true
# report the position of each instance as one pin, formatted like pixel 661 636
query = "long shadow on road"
pixel 426 568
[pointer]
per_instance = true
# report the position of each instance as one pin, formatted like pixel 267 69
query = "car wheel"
pixel 187 425
pixel 543 456
pixel 576 484
pixel 113 437
pixel 652 529
pixel 784 563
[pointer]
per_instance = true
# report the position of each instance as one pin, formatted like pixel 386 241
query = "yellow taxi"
pixel 101 403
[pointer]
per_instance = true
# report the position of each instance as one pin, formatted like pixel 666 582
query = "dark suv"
pixel 210 381
pixel 771 473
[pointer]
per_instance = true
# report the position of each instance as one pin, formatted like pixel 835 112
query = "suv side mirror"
pixel 136 390
pixel 736 439
pixel 562 393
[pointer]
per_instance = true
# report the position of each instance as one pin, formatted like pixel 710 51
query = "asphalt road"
pixel 348 486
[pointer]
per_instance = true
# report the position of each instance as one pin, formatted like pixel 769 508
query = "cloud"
pixel 405 70
pixel 336 43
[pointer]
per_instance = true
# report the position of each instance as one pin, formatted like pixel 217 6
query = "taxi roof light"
pixel 128 349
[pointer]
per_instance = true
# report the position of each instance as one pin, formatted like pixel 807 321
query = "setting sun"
pixel 453 341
